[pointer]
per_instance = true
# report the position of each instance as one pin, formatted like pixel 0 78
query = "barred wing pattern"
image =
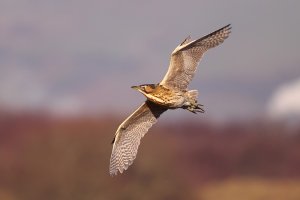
pixel 186 57
pixel 129 134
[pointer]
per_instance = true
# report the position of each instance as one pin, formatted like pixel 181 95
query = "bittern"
pixel 170 93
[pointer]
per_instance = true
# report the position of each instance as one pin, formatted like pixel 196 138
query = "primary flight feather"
pixel 170 93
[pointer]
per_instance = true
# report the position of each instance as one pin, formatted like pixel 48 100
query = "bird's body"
pixel 170 93
pixel 163 96
pixel 171 98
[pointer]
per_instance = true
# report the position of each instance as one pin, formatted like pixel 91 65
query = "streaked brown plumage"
pixel 170 93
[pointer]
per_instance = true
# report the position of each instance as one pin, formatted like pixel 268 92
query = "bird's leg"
pixel 191 110
pixel 199 108
pixel 195 108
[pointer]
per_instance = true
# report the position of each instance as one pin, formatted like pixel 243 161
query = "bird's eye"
pixel 147 89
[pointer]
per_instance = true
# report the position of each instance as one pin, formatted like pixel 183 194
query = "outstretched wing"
pixel 129 134
pixel 185 58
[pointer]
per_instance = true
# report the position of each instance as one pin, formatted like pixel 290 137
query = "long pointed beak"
pixel 135 87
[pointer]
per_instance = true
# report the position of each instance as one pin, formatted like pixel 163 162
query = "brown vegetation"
pixel 48 158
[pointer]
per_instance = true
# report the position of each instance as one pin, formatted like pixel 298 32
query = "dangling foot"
pixel 199 108
pixel 196 108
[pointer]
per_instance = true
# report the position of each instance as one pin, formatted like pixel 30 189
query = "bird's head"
pixel 145 88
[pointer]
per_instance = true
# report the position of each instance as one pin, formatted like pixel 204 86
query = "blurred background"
pixel 66 68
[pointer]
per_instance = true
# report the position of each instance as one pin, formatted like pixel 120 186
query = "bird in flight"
pixel 170 93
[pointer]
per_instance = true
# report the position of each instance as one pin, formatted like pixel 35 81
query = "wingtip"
pixel 228 27
pixel 114 172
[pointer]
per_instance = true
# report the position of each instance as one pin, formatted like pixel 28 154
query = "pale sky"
pixel 83 56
